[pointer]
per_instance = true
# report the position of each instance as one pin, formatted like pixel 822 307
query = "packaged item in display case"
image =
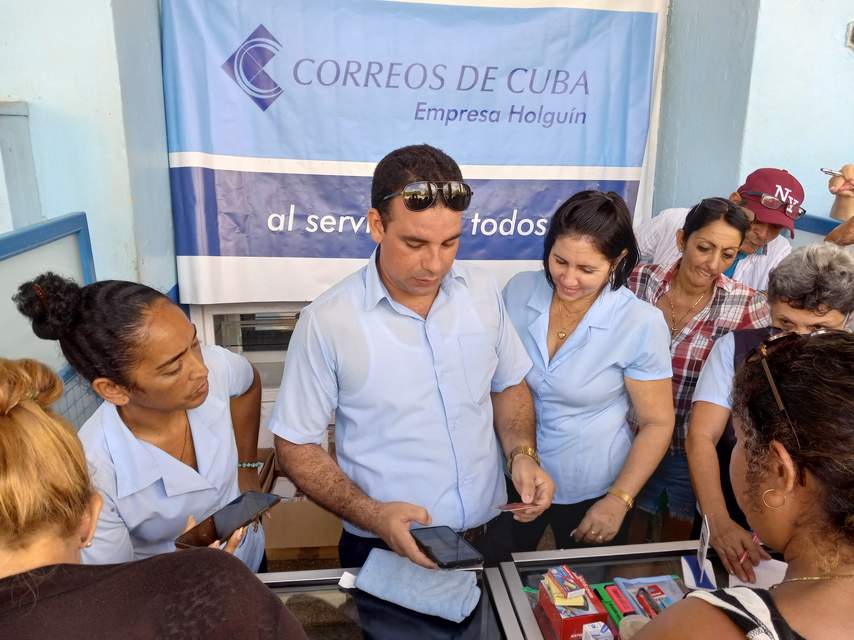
pixel 566 622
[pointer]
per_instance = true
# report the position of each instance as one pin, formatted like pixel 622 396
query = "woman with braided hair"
pixel 177 421
pixel 49 513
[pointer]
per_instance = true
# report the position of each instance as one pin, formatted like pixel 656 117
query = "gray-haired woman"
pixel 811 289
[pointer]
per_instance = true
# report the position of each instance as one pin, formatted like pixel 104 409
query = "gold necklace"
pixel 184 446
pixel 562 333
pixel 674 323
pixel 832 576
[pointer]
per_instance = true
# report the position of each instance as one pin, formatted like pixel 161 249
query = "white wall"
pixel 96 124
pixel 754 83
pixel 800 112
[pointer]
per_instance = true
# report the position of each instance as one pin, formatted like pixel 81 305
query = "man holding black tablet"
pixel 418 359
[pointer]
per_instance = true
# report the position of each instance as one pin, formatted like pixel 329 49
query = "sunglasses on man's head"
pixel 792 211
pixel 421 195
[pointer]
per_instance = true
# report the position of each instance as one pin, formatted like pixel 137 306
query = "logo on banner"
pixel 246 67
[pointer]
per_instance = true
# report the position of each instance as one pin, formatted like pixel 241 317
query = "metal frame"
pixel 36 235
pixel 297 580
pixel 623 552
pixel 42 233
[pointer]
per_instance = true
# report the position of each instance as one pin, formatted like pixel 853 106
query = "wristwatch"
pixel 521 451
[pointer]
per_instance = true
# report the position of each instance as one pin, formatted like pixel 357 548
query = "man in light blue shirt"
pixel 418 359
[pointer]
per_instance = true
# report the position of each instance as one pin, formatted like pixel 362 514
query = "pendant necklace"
pixel 562 333
pixel 674 322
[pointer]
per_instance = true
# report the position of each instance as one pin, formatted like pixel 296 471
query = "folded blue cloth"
pixel 452 595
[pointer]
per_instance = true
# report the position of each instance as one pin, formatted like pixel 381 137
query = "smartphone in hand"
pixel 219 526
pixel 446 547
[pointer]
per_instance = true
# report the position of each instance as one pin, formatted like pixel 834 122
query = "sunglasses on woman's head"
pixel 421 195
pixel 775 343
pixel 722 204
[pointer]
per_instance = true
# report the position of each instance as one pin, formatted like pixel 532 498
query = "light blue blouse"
pixel 715 382
pixel 583 432
pixel 411 395
pixel 147 493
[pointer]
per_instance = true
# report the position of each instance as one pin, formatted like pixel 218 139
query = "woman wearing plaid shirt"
pixel 700 304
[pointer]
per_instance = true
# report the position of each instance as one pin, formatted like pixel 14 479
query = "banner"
pixel 278 111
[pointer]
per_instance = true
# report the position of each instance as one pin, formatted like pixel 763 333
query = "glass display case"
pixel 327 611
pixel 508 605
pixel 597 565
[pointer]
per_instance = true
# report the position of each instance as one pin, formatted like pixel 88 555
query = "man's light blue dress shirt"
pixel 411 396
pixel 583 431
pixel 147 493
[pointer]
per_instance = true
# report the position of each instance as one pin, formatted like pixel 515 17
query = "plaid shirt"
pixel 733 306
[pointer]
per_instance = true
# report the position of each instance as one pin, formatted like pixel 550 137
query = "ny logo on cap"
pixel 785 195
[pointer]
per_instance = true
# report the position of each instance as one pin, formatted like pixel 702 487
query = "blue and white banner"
pixel 278 111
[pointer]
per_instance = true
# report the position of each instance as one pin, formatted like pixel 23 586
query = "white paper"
pixel 347 581
pixel 768 573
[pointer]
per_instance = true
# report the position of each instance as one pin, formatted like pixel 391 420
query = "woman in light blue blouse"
pixel 601 374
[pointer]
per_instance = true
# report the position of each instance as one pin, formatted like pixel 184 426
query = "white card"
pixel 703 549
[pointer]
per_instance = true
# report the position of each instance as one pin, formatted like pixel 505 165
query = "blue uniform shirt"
pixel 411 396
pixel 147 493
pixel 715 382
pixel 583 432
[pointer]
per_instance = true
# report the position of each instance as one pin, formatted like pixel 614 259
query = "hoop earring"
pixel 765 502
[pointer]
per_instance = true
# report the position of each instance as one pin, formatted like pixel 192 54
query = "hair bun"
pixel 22 380
pixel 50 302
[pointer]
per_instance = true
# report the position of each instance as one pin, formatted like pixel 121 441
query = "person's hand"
pixel 843 185
pixel 232 543
pixel 731 542
pixel 601 522
pixel 534 486
pixel 230 546
pixel 248 480
pixel 843 234
pixel 394 521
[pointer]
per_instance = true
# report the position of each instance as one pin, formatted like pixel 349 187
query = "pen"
pixel 743 556
pixel 646 601
pixel 830 172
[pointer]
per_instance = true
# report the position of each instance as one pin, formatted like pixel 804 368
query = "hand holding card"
pixel 513 506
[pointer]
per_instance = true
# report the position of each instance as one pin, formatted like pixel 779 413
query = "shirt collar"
pixel 139 464
pixel 134 464
pixel 599 315
pixel 375 289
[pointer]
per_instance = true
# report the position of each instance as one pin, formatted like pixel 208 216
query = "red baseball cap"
pixel 779 184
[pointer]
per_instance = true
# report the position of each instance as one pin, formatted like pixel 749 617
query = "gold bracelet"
pixel 521 451
pixel 622 495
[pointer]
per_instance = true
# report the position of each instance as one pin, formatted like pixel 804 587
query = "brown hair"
pixel 44 481
pixel 815 378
